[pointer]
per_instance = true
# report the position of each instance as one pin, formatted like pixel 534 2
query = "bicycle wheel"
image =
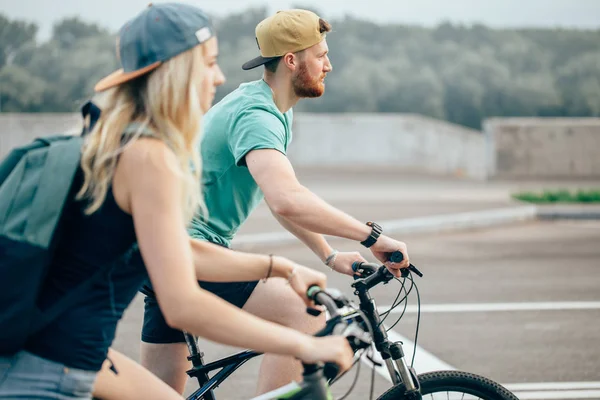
pixel 450 385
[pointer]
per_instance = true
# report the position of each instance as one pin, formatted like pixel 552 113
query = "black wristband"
pixel 375 232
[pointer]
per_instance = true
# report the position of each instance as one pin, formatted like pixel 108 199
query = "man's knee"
pixel 310 324
pixel 277 302
pixel 168 362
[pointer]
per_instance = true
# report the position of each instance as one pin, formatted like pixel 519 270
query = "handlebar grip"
pixel 369 268
pixel 331 370
pixel 312 292
pixel 397 257
pixel 320 297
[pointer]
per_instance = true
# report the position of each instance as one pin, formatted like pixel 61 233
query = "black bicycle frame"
pixel 200 370
pixel 391 353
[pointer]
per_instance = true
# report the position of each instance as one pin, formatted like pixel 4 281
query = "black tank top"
pixel 80 337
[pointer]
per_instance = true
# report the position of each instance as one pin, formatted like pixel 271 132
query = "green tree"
pixel 21 91
pixel 13 35
pixel 70 30
pixel 463 73
pixel 579 83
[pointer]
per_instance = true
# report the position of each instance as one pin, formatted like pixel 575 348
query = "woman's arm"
pixel 154 191
pixel 217 264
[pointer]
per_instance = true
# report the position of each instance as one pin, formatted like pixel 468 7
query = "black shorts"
pixel 156 330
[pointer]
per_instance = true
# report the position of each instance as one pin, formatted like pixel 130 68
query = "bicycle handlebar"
pixel 320 297
pixel 370 274
pixel 368 269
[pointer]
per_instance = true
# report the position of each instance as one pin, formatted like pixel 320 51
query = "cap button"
pixel 150 4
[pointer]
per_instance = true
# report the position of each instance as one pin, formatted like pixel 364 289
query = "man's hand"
pixel 382 250
pixel 343 262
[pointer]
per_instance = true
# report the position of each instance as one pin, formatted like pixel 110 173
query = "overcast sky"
pixel 495 13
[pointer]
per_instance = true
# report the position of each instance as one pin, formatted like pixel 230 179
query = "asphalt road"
pixel 519 304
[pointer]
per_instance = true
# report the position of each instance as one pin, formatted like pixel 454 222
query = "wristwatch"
pixel 375 232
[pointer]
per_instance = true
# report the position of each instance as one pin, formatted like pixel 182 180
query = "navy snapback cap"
pixel 158 33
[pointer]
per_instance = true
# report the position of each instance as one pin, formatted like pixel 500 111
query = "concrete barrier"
pixel 510 148
pixel 542 148
pixel 403 141
pixel 327 140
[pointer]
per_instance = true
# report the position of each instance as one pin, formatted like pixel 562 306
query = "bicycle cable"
pixel 372 381
pixel 395 303
pixel 418 323
pixel 355 376
pixel 371 333
pixel 405 300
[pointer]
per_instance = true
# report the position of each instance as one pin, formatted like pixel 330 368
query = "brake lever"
pixel 315 312
pixel 397 257
pixel 413 269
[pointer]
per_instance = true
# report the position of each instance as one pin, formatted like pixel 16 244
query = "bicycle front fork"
pixel 399 370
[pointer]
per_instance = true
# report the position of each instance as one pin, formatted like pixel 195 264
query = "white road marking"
pixel 562 395
pixel 553 386
pixel 485 307
pixel 424 360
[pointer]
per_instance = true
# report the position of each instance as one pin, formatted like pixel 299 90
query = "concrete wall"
pixel 542 148
pixel 510 148
pixel 17 129
pixel 401 141
pixel 329 140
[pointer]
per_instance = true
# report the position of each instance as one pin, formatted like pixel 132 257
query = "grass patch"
pixel 560 196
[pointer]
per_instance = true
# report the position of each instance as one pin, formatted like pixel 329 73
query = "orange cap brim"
pixel 118 77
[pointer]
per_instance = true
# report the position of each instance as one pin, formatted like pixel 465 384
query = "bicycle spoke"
pixel 451 395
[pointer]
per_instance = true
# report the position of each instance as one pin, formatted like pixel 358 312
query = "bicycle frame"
pixel 200 370
pixel 391 353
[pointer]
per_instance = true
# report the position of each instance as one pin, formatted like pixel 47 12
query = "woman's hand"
pixel 300 277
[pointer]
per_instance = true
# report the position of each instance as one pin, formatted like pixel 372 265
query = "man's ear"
pixel 291 61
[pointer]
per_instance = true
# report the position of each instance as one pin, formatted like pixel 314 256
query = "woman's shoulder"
pixel 149 155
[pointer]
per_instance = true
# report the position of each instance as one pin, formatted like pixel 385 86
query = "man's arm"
pixel 314 241
pixel 339 262
pixel 289 199
pixel 274 174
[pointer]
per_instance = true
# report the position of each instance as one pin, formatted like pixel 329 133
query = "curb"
pixel 569 211
pixel 430 224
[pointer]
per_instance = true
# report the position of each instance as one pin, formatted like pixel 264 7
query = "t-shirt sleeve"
pixel 256 129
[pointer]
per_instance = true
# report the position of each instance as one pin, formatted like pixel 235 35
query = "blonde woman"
pixel 139 182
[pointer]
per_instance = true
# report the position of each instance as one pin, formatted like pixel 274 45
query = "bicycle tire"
pixel 454 381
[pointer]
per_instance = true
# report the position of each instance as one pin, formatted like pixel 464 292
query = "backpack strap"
pixel 94 112
pixel 62 160
pixel 135 128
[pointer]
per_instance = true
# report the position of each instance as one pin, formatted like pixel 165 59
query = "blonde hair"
pixel 166 101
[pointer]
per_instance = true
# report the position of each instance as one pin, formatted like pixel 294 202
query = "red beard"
pixel 305 85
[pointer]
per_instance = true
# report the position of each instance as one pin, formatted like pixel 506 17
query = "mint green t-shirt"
pixel 246 119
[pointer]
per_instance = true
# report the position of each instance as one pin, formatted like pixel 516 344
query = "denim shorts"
pixel 27 376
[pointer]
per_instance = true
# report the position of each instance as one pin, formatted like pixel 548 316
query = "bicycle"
pixel 363 327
